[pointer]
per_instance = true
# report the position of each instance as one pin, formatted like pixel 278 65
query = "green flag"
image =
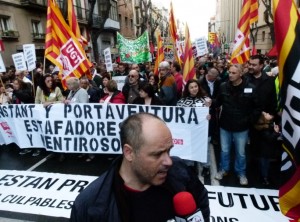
pixel 134 51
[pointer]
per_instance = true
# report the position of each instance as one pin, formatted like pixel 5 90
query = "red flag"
pixel 160 56
pixel 254 51
pixel 287 35
pixel 188 59
pixel 1 46
pixel 241 48
pixel 62 47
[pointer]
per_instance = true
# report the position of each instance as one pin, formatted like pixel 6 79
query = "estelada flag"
pixel 62 47
pixel 287 35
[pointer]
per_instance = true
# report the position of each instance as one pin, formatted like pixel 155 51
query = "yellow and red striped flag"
pixel 188 59
pixel 74 24
pixel 174 35
pixel 248 16
pixel 160 56
pixel 62 47
pixel 287 35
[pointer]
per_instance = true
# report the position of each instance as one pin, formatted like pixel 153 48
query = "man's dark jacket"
pixel 101 200
pixel 240 106
pixel 266 92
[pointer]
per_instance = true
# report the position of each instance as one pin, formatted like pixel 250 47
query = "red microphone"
pixel 185 208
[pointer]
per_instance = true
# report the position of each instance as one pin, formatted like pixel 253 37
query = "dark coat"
pixel 154 101
pixel 240 106
pixel 101 200
pixel 266 91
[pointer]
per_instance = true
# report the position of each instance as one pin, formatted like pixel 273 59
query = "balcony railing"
pixel 38 36
pixel 9 34
pixel 37 4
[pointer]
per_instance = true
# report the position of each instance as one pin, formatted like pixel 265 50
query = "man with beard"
pixel 266 91
pixel 140 185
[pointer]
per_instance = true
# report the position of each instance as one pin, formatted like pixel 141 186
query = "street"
pixel 48 162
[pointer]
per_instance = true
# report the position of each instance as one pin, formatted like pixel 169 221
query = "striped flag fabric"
pixel 287 35
pixel 188 59
pixel 74 24
pixel 174 35
pixel 160 56
pixel 62 47
pixel 248 16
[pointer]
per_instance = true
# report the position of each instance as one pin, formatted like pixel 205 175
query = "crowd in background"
pixel 243 101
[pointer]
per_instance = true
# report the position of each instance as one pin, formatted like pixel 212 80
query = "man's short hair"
pixel 131 130
pixel 259 57
pixel 177 66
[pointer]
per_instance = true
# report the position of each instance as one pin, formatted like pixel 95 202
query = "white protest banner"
pixel 19 61
pixel 94 128
pixel 108 61
pixel 2 66
pixel 120 81
pixel 30 57
pixel 244 204
pixel 53 194
pixel 201 46
pixel 40 193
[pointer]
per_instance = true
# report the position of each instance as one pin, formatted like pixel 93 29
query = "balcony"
pixel 38 36
pixel 34 4
pixel 9 34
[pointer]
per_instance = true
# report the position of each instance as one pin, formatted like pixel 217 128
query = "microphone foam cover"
pixel 184 203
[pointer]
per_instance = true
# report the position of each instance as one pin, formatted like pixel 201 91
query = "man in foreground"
pixel 140 185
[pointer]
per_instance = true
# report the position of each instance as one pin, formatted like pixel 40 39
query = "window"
pixel 263 36
pixel 5 23
pixel 131 23
pixel 113 13
pixel 120 19
pixel 126 21
pixel 36 28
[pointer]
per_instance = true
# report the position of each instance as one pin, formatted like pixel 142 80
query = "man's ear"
pixel 128 152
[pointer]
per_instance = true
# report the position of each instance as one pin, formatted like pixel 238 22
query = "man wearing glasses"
pixel 131 88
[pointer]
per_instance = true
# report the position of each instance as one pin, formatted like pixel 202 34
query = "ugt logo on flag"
pixel 70 57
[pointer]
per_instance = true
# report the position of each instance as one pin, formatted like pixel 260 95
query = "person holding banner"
pixel 4 95
pixel 140 184
pixel 47 92
pixel 195 96
pixel 147 95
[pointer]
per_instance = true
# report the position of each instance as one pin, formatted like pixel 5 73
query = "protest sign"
pixel 94 128
pixel 120 81
pixel 201 46
pixel 107 58
pixel 30 57
pixel 19 61
pixel 2 66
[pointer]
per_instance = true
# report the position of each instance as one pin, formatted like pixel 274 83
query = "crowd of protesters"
pixel 243 101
